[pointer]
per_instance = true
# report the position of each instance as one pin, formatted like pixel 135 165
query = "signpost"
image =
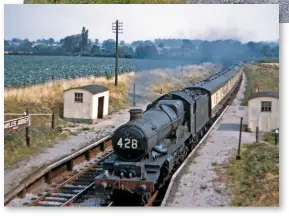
pixel 15 124
pixel 24 122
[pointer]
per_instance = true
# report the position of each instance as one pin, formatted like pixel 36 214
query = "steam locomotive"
pixel 152 145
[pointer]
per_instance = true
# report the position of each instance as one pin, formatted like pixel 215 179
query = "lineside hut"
pixel 263 111
pixel 86 104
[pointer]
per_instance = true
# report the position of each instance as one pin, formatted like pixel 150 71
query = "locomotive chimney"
pixel 135 114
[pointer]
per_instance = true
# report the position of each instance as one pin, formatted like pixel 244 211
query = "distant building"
pixel 263 111
pixel 86 104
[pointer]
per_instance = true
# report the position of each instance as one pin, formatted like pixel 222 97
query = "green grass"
pixel 104 1
pixel 255 178
pixel 41 133
pixel 15 148
pixel 262 77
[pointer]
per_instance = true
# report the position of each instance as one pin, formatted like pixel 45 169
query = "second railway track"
pixel 67 192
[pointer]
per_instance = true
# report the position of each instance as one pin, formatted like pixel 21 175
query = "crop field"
pixel 21 70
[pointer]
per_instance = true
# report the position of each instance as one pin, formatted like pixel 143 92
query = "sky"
pixel 245 22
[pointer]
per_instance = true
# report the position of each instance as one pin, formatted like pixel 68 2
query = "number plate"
pixel 127 143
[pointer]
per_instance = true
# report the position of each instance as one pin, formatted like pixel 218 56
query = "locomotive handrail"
pixel 167 125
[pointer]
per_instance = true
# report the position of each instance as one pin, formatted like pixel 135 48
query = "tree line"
pixel 197 51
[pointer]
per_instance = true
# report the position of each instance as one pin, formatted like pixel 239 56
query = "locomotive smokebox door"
pixel 129 143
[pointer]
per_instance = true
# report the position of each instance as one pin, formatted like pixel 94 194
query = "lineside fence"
pixel 274 133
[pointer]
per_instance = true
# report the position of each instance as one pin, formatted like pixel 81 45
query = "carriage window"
pixel 266 106
pixel 78 97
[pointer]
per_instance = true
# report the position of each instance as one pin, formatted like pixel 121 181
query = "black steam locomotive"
pixel 153 144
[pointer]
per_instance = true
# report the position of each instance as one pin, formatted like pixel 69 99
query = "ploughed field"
pixel 23 70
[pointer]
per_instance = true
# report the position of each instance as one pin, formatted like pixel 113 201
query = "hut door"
pixel 100 107
pixel 263 124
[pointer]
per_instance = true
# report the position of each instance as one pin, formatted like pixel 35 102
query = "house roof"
pixel 93 89
pixel 264 94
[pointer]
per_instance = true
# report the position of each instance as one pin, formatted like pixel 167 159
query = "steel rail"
pixel 44 170
pixel 70 180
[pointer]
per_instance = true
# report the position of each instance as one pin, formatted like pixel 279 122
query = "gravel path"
pixel 197 184
pixel 283 11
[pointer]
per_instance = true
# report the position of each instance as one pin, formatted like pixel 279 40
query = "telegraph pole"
pixel 117 29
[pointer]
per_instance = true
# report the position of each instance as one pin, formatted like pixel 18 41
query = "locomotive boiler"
pixel 142 136
pixel 153 144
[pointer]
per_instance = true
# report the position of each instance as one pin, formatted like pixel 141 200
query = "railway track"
pixel 78 187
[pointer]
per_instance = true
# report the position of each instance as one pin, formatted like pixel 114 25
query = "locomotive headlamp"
pixel 143 176
pixel 121 175
pixel 106 173
pixel 122 186
pixel 132 173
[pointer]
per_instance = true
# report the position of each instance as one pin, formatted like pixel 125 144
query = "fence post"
pixel 238 157
pixel 134 94
pixel 257 134
pixel 53 119
pixel 87 156
pixel 101 146
pixel 27 131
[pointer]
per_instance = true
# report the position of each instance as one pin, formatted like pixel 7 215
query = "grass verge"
pixel 15 147
pixel 264 77
pixel 255 179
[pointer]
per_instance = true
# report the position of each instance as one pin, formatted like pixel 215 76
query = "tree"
pixel 125 51
pixel 6 46
pixel 254 48
pixel 84 39
pixel 96 41
pixel 51 41
pixel 108 47
pixel 122 43
pixel 275 51
pixel 266 51
pixel 146 51
pixel 25 46
pixel 186 42
pixel 16 40
pixel 161 45
pixel 67 44
pixel 95 50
